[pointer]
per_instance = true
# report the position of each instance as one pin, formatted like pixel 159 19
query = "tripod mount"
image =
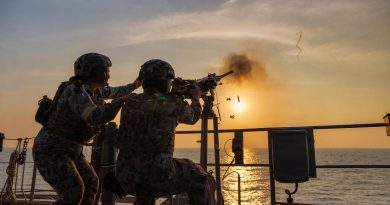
pixel 207 114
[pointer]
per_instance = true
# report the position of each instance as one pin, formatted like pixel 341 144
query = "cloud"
pixel 355 27
pixel 224 23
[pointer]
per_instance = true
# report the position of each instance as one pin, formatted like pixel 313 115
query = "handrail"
pixel 318 166
pixel 316 127
pixel 337 166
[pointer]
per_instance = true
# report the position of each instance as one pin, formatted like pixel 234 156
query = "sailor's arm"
pixel 109 92
pixel 190 114
pixel 82 104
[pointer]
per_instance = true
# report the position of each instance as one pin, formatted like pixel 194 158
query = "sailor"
pixel 77 117
pixel 145 165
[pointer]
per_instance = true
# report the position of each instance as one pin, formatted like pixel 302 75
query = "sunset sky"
pixel 342 75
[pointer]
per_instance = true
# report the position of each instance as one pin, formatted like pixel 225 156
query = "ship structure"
pixel 291 161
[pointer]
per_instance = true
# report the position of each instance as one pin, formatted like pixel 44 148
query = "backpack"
pixel 46 105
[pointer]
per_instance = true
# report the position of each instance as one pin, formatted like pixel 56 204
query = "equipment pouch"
pixel 43 112
pixel 47 105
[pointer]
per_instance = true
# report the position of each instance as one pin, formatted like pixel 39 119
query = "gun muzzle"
pixel 224 75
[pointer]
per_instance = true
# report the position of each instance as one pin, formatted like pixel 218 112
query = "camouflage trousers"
pixel 149 176
pixel 62 164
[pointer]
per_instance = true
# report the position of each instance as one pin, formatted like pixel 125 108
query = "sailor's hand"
pixel 195 92
pixel 137 83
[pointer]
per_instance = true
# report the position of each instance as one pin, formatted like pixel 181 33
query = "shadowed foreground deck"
pixel 45 199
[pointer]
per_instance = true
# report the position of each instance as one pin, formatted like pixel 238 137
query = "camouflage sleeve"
pixel 108 92
pixel 190 114
pixel 107 112
pixel 82 104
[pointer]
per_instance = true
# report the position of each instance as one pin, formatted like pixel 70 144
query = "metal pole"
pixel 217 161
pixel 237 147
pixel 96 156
pixel 203 143
pixel 238 185
pixel 34 177
pixel 21 185
pixel 2 137
pixel 17 165
pixel 239 189
pixel 271 171
pixel 107 163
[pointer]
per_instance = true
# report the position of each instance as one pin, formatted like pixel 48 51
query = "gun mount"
pixel 206 84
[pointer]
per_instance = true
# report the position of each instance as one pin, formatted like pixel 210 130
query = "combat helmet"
pixel 85 65
pixel 156 69
pixel 156 75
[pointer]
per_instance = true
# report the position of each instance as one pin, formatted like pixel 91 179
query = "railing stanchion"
pixel 239 189
pixel 34 177
pixel 203 143
pixel 217 162
pixel 271 171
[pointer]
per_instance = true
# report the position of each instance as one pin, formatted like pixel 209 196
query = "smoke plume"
pixel 245 68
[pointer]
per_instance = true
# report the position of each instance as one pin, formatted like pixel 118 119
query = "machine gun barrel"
pixel 219 77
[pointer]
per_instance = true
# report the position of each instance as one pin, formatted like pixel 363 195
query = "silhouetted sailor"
pixel 78 115
pixel 145 166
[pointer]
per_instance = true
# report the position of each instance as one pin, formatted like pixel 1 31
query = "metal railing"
pixel 270 164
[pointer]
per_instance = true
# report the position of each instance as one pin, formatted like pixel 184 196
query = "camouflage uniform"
pixel 57 149
pixel 145 166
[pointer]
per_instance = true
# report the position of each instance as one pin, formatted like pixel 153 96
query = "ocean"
pixel 332 186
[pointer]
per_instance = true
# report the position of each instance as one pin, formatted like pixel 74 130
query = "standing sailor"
pixel 77 117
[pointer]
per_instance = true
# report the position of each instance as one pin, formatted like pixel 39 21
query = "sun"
pixel 239 106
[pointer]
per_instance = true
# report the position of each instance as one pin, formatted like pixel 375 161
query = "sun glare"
pixel 239 106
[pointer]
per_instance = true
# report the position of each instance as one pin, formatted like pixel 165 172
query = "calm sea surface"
pixel 332 186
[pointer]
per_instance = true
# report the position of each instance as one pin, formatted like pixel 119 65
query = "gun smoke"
pixel 245 68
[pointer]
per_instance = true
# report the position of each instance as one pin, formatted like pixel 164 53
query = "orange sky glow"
pixel 337 72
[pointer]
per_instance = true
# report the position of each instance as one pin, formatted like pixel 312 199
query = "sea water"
pixel 332 186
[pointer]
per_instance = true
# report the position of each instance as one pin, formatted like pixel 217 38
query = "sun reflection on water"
pixel 254 180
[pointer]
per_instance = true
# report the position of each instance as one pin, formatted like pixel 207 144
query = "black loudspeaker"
pixel 292 156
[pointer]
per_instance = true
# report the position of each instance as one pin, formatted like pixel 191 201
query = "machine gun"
pixel 207 87
pixel 206 84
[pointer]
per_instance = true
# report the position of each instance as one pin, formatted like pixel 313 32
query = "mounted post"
pixel 237 147
pixel 2 137
pixel 386 118
pixel 96 156
pixel 108 160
